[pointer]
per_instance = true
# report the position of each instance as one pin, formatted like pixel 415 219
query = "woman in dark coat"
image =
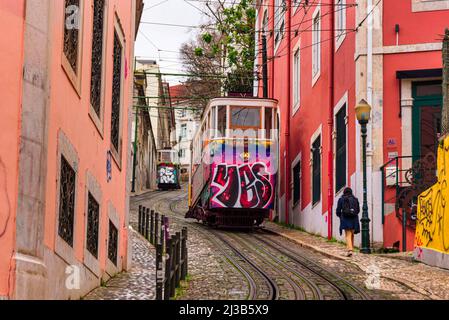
pixel 349 222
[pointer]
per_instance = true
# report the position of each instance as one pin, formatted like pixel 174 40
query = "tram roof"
pixel 240 101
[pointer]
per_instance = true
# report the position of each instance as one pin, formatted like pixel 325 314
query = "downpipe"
pixel 330 159
pixel 288 119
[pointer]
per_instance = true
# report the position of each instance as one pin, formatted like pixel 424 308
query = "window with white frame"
pixel 316 44
pixel 265 21
pixel 295 4
pixel 279 22
pixel 296 78
pixel 316 170
pixel 183 131
pixel 340 20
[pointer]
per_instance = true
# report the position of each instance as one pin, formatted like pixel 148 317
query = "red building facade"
pixel 323 57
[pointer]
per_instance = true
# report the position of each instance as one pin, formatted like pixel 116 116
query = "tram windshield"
pixel 167 156
pixel 245 117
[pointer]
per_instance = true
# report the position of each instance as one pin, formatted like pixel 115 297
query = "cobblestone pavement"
pixel 139 282
pixel 213 276
pixel 221 281
pixel 426 281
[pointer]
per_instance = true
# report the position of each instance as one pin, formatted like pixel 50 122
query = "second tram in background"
pixel 168 169
pixel 234 163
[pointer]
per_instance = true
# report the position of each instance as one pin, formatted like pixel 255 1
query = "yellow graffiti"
pixel 432 226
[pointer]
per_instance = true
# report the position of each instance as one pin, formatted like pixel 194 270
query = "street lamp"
pixel 363 111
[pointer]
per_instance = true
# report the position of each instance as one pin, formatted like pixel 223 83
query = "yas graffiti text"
pixel 244 186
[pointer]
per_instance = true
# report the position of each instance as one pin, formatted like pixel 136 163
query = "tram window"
pixel 212 121
pixel 268 122
pixel 221 126
pixel 244 117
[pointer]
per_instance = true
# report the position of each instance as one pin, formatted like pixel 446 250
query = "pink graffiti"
pixel 242 186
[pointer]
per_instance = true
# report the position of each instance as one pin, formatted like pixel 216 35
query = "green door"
pixel 426 118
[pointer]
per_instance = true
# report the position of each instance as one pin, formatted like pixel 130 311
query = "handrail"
pixel 395 159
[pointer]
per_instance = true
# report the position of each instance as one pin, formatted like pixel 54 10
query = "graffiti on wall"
pixel 242 186
pixel 432 226
pixel 167 174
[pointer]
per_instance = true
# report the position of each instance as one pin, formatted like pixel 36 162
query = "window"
pixel 182 153
pixel 183 131
pixel 340 20
pixel 316 170
pixel 340 157
pixel 221 125
pixel 96 82
pixel 72 49
pixel 265 22
pixel 296 183
pixel 112 243
pixel 268 122
pixel 118 66
pixel 295 5
pixel 212 119
pixel 279 23
pixel 296 79
pixel 316 45
pixel 67 201
pixel 244 117
pixel 93 218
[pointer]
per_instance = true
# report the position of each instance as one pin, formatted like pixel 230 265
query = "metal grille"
pixel 340 161
pixel 93 216
pixel 71 32
pixel 116 93
pixel 112 244
pixel 66 201
pixel 97 56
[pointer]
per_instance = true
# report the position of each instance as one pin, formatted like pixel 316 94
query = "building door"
pixel 426 125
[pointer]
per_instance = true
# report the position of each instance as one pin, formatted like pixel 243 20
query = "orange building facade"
pixel 65 144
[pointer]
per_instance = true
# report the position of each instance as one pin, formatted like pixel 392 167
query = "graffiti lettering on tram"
pixel 242 186
pixel 167 175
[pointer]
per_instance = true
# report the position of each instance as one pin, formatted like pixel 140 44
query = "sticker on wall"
pixel 109 166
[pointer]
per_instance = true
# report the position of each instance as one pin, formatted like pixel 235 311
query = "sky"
pixel 162 43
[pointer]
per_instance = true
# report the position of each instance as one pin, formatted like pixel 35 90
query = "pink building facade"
pixel 323 57
pixel 64 144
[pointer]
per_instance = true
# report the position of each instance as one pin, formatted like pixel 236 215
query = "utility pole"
pixel 445 108
pixel 264 66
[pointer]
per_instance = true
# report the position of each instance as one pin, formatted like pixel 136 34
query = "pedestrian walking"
pixel 348 209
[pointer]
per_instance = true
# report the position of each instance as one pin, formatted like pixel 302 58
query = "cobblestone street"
pixel 216 273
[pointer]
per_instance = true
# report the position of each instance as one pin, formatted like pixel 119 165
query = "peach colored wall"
pixel 11 61
pixel 70 112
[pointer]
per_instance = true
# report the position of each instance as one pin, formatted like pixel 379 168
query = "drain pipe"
pixel 287 122
pixel 330 122
pixel 369 96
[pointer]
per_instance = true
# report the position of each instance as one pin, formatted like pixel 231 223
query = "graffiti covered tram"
pixel 168 169
pixel 234 163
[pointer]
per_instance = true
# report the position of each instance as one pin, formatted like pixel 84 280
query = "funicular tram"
pixel 234 164
pixel 168 169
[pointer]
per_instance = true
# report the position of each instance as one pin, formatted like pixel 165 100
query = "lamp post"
pixel 363 111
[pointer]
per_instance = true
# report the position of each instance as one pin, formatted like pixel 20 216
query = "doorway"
pixel 426 118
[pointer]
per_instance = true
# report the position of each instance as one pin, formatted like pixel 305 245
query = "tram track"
pixel 260 263
pixel 261 286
